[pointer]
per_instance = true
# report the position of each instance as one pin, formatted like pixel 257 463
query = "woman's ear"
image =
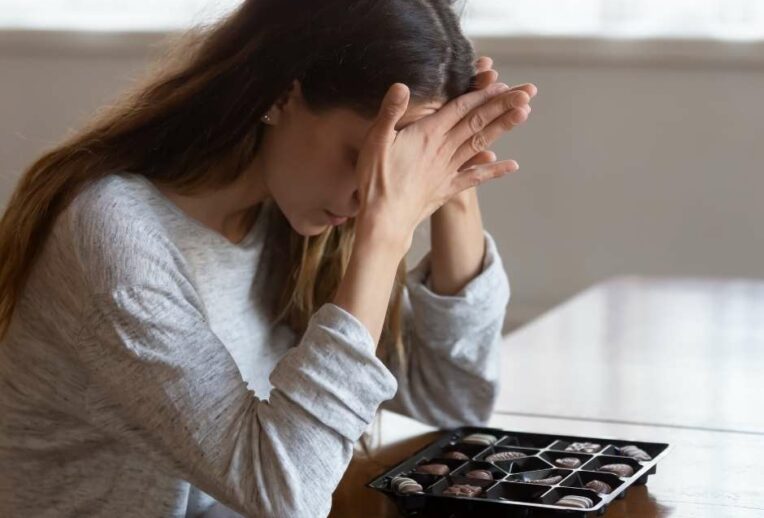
pixel 292 95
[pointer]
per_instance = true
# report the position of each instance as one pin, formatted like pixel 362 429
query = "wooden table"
pixel 663 360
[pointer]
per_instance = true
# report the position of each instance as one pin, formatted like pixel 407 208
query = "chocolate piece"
pixel 462 490
pixel 635 453
pixel 585 447
pixel 480 438
pixel 622 470
pixel 505 455
pixel 547 481
pixel 405 485
pixel 575 501
pixel 482 474
pixel 433 469
pixel 599 486
pixel 455 455
pixel 568 462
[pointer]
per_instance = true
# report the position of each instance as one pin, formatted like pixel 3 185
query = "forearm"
pixel 457 243
pixel 367 285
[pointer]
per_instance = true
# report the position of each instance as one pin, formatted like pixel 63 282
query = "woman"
pixel 184 321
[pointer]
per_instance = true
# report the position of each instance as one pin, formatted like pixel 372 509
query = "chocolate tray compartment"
pixel 615 449
pixel 525 441
pixel 529 477
pixel 556 493
pixel 560 445
pixel 527 452
pixel 524 464
pixel 601 460
pixel 471 450
pixel 448 481
pixel 552 456
pixel 426 481
pixel 517 492
pixel 581 478
pixel 451 463
pixel 497 473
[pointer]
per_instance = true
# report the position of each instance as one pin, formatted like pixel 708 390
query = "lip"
pixel 335 219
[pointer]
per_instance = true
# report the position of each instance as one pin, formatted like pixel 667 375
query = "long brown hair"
pixel 193 122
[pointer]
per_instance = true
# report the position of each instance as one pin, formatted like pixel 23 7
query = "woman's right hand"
pixel 407 175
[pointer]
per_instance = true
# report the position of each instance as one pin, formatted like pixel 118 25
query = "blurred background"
pixel 644 153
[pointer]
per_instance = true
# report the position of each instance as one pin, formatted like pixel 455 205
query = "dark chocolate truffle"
pixel 635 453
pixel 599 486
pixel 482 474
pixel 480 438
pixel 547 481
pixel 575 501
pixel 433 469
pixel 505 455
pixel 585 447
pixel 622 470
pixel 405 485
pixel 568 462
pixel 455 455
pixel 462 490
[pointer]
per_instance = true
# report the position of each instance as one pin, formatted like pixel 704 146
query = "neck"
pixel 228 210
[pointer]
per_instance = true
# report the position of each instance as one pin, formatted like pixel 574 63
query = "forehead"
pixel 355 127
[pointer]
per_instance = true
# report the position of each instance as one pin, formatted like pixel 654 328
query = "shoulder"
pixel 114 236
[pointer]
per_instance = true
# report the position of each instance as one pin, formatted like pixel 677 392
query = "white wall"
pixel 640 158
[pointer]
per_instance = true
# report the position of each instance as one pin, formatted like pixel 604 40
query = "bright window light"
pixel 722 19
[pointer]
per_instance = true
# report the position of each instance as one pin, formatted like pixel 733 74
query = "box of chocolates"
pixel 492 472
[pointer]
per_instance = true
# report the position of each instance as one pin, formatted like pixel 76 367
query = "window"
pixel 723 19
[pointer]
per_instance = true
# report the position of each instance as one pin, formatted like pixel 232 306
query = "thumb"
pixel 393 107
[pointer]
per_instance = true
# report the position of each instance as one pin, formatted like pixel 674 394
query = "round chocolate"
pixel 635 453
pixel 575 501
pixel 482 474
pixel 480 438
pixel 505 455
pixel 622 470
pixel 433 469
pixel 462 490
pixel 455 455
pixel 568 462
pixel 599 486
pixel 585 447
pixel 405 485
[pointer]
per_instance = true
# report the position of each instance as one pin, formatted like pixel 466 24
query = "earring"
pixel 266 118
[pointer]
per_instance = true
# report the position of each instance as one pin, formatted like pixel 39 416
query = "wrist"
pixel 378 235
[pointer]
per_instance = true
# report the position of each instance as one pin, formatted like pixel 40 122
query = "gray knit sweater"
pixel 140 376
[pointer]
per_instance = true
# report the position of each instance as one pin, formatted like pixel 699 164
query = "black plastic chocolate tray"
pixel 511 493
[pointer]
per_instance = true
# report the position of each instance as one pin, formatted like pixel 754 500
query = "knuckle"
pixel 476 122
pixel 478 142
pixel 462 106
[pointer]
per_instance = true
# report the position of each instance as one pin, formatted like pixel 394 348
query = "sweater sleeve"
pixel 451 376
pixel 162 382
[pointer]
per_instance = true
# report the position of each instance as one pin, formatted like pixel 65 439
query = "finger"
pixel 484 139
pixel 484 63
pixel 455 110
pixel 480 174
pixel 528 88
pixel 484 79
pixel 484 157
pixel 499 107
pixel 391 111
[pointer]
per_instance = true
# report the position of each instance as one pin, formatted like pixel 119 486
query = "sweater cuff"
pixel 483 298
pixel 334 374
